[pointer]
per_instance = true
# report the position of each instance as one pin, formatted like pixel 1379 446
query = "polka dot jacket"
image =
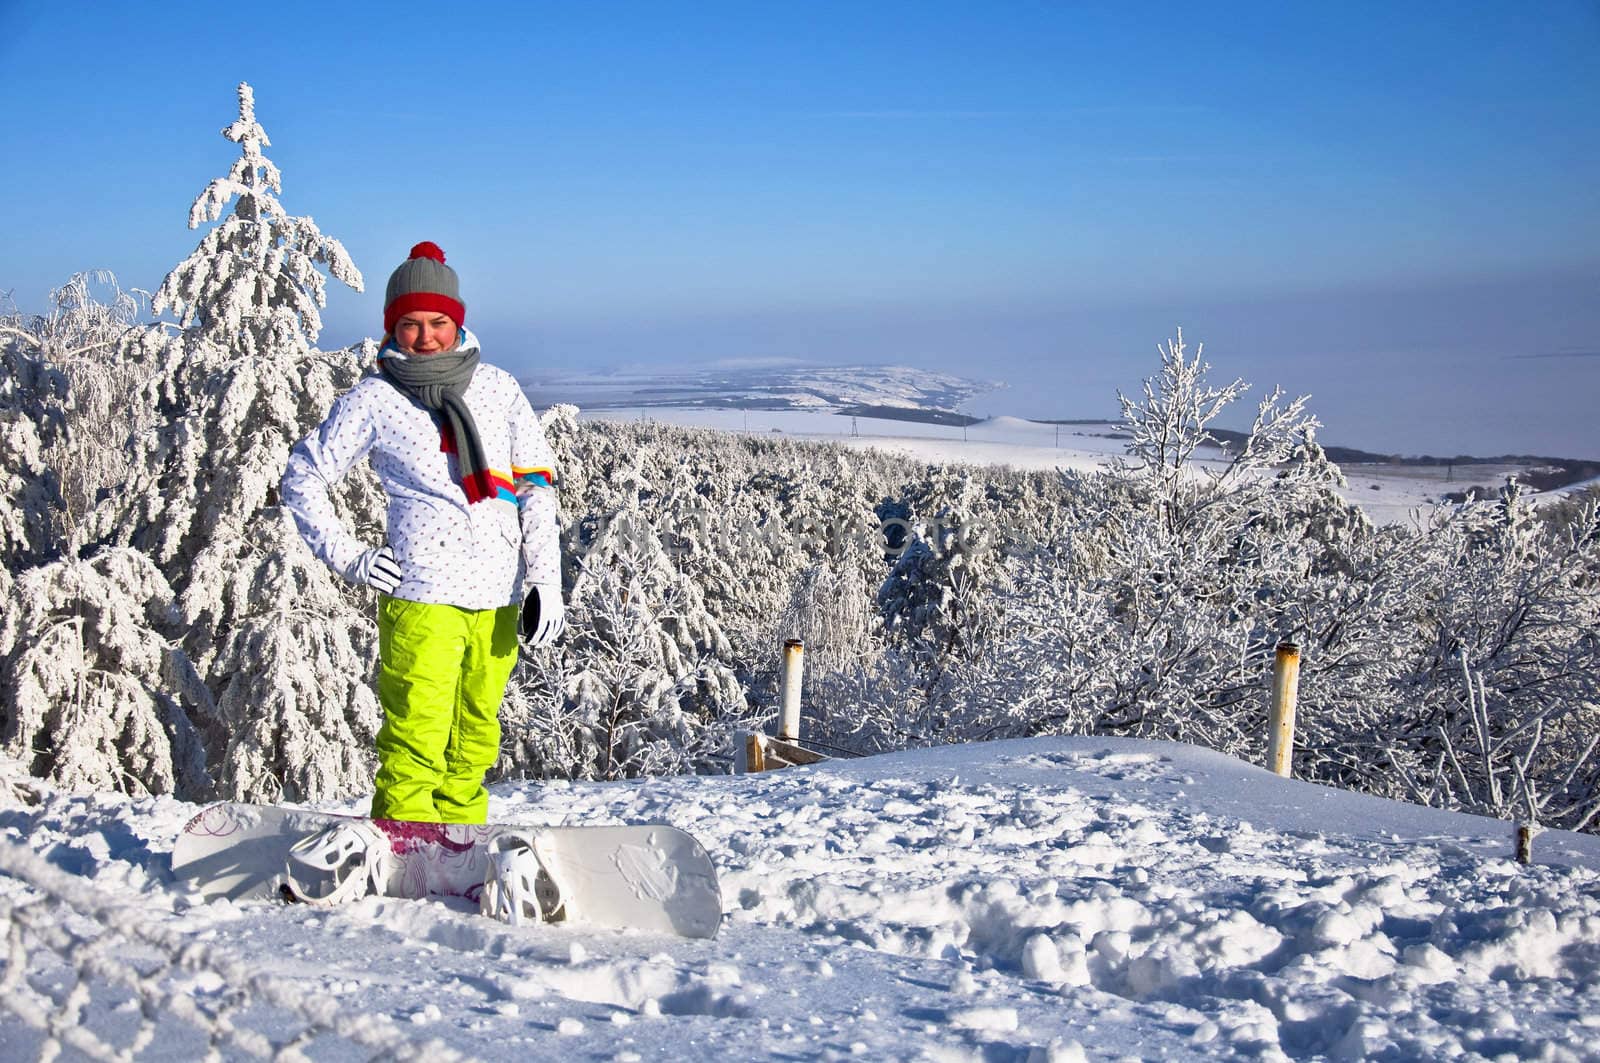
pixel 478 556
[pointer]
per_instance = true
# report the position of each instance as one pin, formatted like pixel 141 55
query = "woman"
pixel 472 533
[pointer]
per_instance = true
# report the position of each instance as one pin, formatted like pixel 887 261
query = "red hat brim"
pixel 428 301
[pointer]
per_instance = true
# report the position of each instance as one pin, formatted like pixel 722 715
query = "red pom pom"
pixel 427 249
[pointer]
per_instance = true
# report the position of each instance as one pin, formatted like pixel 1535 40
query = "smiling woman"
pixel 471 535
pixel 425 332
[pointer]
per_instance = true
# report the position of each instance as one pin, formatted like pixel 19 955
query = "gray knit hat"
pixel 423 282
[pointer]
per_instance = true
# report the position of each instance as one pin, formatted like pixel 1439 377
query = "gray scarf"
pixel 439 382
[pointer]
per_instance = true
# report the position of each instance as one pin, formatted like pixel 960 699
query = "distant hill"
pixel 910 413
pixel 1539 473
pixel 888 390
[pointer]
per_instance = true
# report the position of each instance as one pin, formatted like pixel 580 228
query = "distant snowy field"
pixel 773 384
pixel 804 401
pixel 1388 493
pixel 1050 899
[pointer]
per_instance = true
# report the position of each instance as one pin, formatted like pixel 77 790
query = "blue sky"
pixel 1391 206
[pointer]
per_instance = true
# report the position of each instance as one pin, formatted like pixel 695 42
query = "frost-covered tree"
pixel 942 592
pixel 1171 425
pixel 82 322
pixel 295 716
pixel 95 695
pixel 1534 767
pixel 540 737
pixel 33 397
pixel 1502 670
pixel 84 405
pixel 241 383
pixel 650 687
pixel 222 401
pixel 830 615
pixel 1206 559
pixel 253 284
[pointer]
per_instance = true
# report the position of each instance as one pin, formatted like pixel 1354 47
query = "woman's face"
pixel 425 332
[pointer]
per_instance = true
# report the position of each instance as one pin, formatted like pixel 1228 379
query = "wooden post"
pixel 754 754
pixel 1524 843
pixel 793 663
pixel 776 753
pixel 1285 689
pixel 759 753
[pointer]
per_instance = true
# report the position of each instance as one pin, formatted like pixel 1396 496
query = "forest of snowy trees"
pixel 164 630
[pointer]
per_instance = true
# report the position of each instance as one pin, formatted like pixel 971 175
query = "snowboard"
pixel 648 877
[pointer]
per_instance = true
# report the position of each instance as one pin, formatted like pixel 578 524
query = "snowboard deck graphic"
pixel 649 877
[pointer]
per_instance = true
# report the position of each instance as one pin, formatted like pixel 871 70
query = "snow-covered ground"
pixel 1389 494
pixel 1029 900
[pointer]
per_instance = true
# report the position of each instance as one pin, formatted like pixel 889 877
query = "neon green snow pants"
pixel 442 671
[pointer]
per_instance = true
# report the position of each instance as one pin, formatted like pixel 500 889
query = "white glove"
pixel 378 569
pixel 544 615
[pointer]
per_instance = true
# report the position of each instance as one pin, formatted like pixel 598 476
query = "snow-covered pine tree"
pixel 828 564
pixel 33 397
pixel 225 399
pixel 253 283
pixel 296 716
pixel 940 599
pixel 233 391
pixel 650 687
pixel 95 695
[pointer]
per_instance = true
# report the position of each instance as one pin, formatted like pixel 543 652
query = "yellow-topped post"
pixel 793 664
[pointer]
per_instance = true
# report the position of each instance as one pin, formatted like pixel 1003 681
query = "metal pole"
pixel 1285 690
pixel 793 662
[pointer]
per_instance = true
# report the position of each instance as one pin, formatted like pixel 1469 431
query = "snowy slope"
pixel 1047 899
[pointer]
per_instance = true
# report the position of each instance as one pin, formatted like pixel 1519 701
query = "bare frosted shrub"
pixel 90 396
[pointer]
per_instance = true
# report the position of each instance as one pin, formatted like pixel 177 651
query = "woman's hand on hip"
pixel 379 570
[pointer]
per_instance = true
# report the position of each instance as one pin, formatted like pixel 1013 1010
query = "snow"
pixel 1388 493
pixel 1578 488
pixel 1045 899
pixel 1008 441
pixel 758 383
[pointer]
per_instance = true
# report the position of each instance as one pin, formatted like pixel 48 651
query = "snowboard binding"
pixel 339 864
pixel 518 888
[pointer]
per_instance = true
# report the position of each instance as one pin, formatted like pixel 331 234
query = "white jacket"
pixel 479 556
